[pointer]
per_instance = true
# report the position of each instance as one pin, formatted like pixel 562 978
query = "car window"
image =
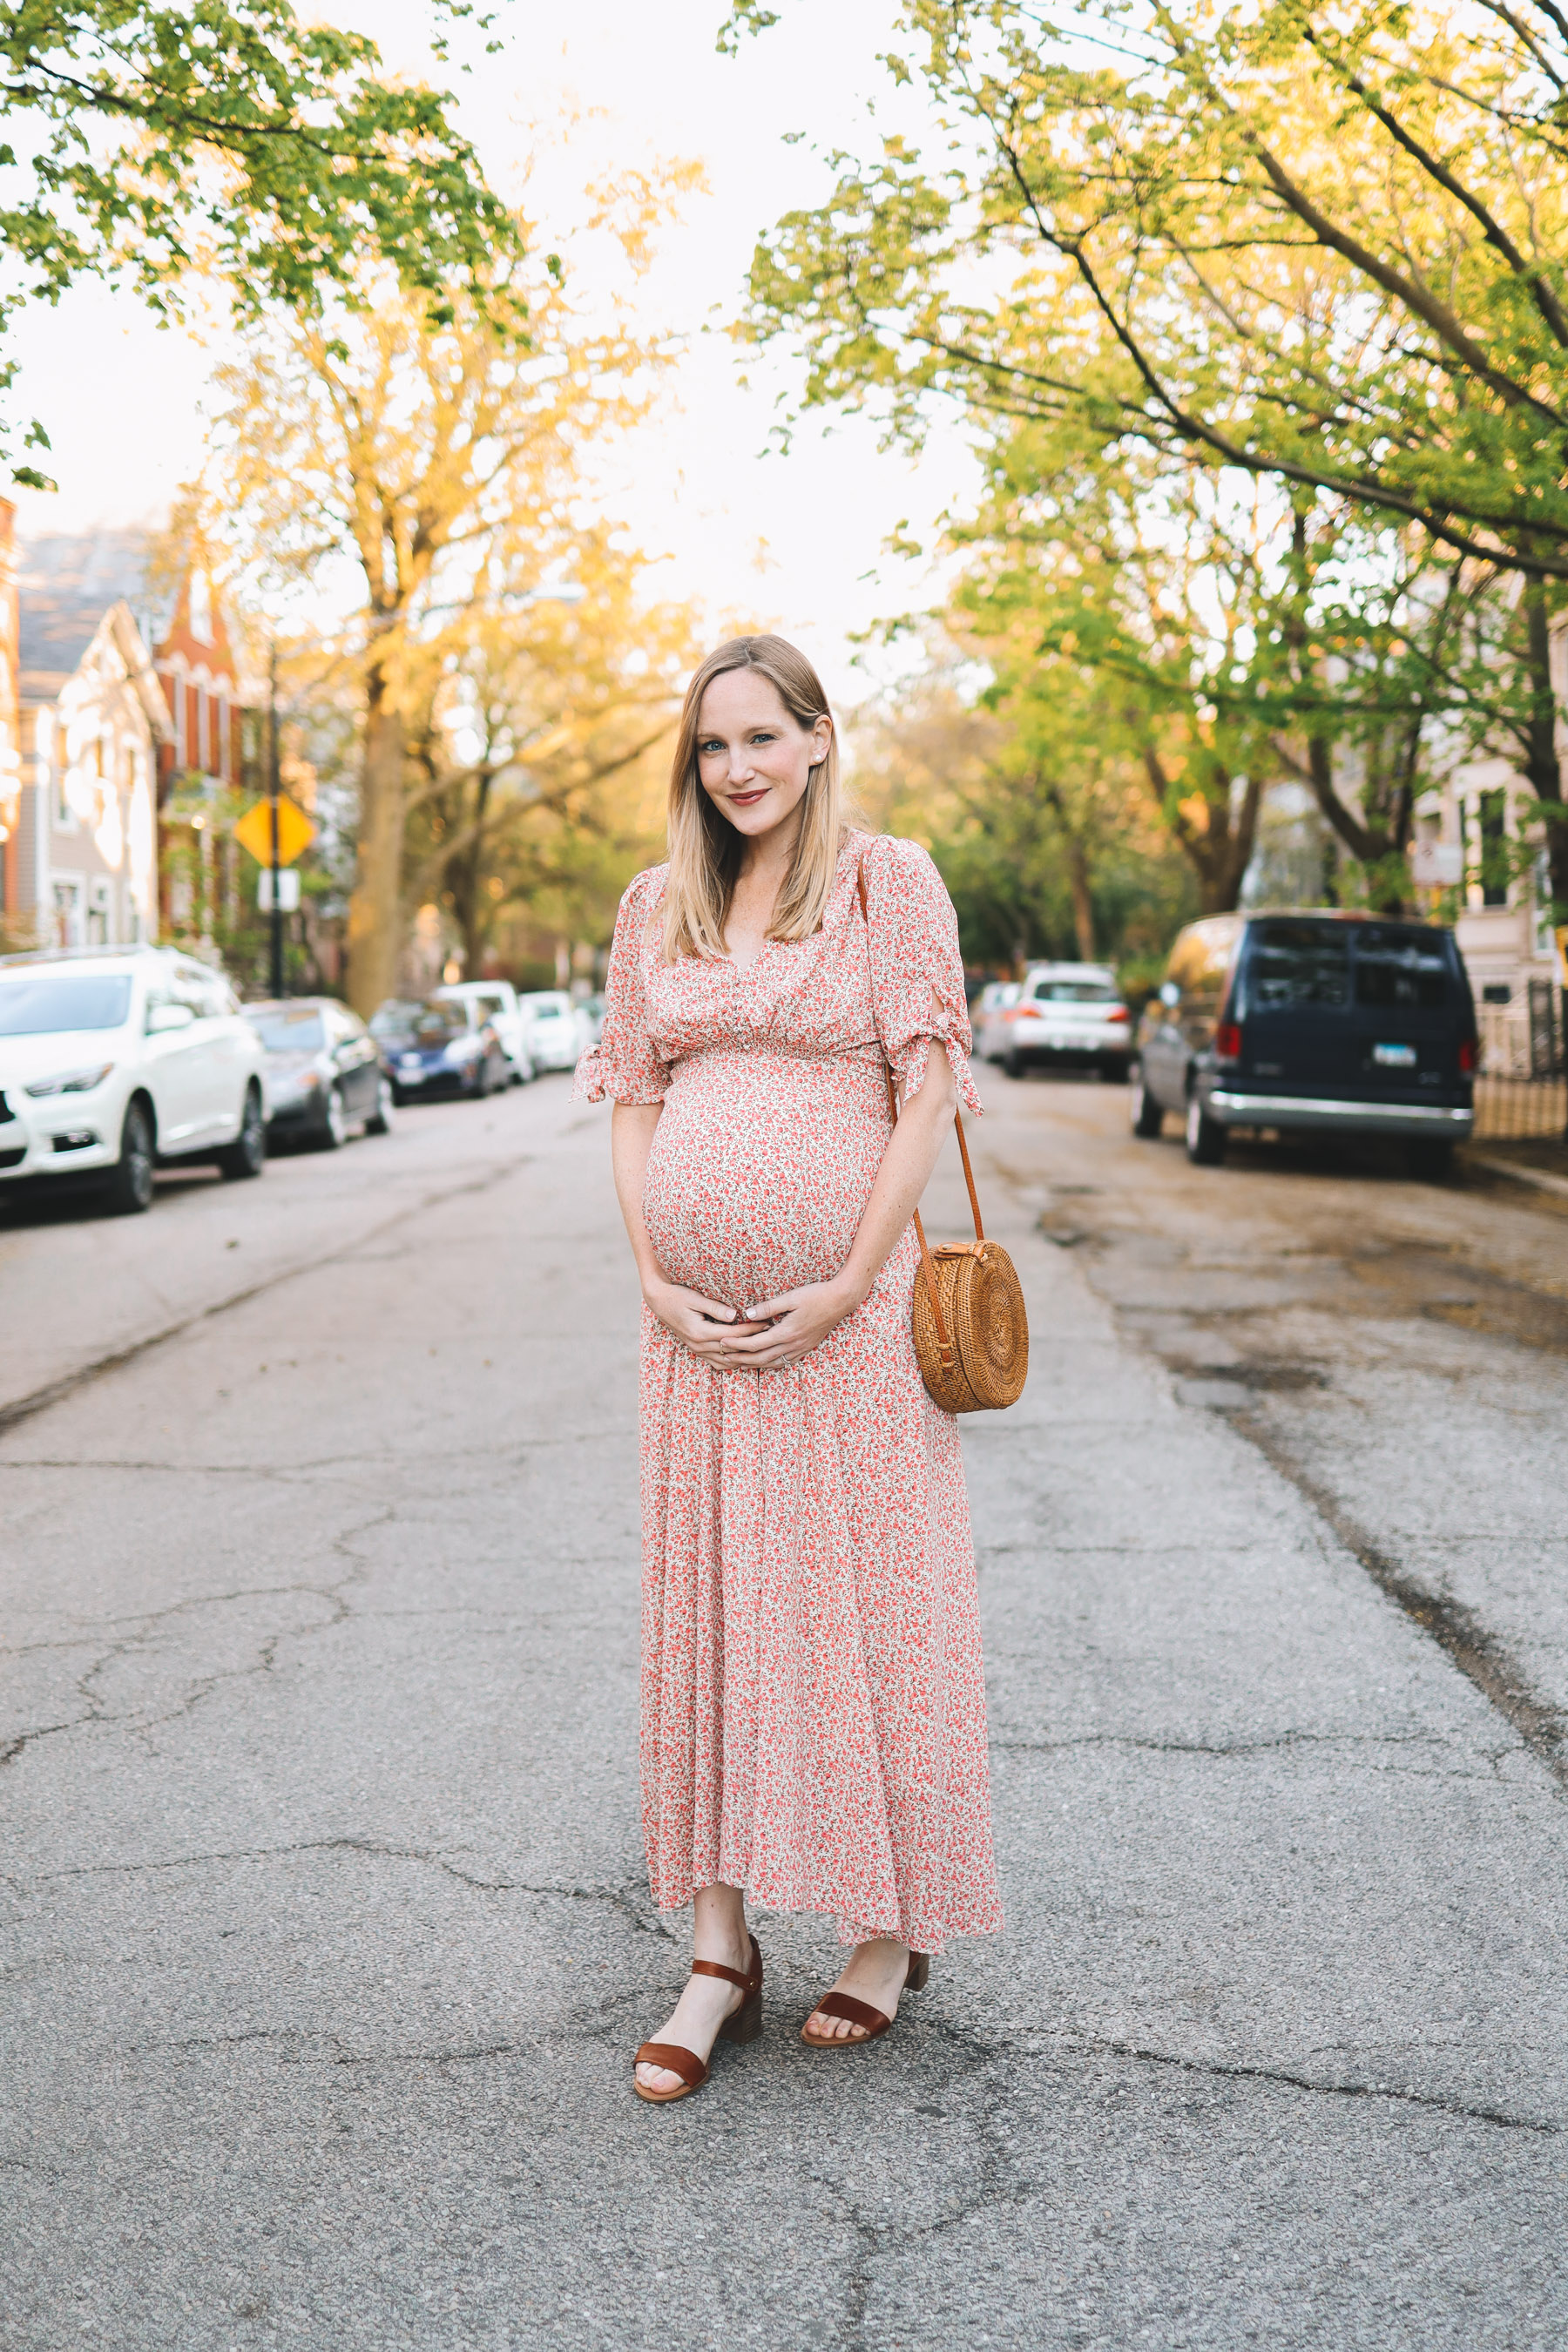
pixel 489 1005
pixel 1294 964
pixel 1396 967
pixel 292 1030
pixel 203 992
pixel 31 1005
pixel 1073 991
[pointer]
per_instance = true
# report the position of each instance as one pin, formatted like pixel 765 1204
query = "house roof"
pixel 69 581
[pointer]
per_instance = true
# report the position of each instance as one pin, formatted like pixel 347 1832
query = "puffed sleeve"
pixel 624 1066
pixel 917 971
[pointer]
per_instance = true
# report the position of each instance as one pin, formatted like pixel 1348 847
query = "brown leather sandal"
pixel 745 2026
pixel 860 2013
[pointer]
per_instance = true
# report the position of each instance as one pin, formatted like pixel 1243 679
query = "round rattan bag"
pixel 984 1362
pixel 971 1331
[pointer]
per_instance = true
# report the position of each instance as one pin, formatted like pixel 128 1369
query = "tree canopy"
pixel 225 138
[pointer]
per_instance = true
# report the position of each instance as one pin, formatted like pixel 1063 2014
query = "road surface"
pixel 327 1939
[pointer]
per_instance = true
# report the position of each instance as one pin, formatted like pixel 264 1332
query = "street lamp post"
pixel 273 773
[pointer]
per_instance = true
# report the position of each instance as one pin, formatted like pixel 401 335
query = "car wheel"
pixel 1205 1137
pixel 335 1131
pixel 130 1187
pixel 247 1155
pixel 1113 1069
pixel 380 1121
pixel 1013 1063
pixel 1147 1116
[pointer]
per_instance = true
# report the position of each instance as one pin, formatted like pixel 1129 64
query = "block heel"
pixel 746 2025
pixel 920 1972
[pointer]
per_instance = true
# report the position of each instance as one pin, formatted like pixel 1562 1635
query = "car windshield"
pixel 548 1008
pixel 1398 968
pixel 1299 963
pixel 290 1033
pixel 1073 991
pixel 44 1000
pixel 429 1024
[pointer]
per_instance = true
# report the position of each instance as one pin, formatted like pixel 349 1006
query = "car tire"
pixel 1114 1070
pixel 335 1131
pixel 381 1119
pixel 1205 1137
pixel 1430 1159
pixel 1146 1116
pixel 1013 1063
pixel 247 1155
pixel 128 1190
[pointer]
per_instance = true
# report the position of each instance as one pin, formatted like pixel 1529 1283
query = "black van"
pixel 1311 1021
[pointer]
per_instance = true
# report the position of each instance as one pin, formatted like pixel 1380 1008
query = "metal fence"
pixel 1521 1090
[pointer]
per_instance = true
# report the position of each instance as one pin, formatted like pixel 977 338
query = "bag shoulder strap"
pixel 933 1287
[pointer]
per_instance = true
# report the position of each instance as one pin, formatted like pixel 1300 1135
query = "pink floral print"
pixel 813 1699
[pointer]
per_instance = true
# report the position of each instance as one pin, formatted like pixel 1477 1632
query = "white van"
pixel 496 1001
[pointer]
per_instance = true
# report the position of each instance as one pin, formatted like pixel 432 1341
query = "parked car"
pixel 1069 1015
pixel 558 1030
pixel 115 1060
pixel 593 1010
pixel 985 1015
pixel 323 1072
pixel 496 1001
pixel 440 1045
pixel 1310 1021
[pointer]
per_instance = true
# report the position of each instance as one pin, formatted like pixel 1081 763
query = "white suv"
pixel 495 1000
pixel 112 1059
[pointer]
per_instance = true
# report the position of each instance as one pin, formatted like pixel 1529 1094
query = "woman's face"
pixel 754 761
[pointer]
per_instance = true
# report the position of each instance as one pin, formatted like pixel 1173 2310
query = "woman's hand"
pixel 790 1326
pixel 709 1329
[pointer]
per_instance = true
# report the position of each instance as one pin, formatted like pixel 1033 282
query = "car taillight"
pixel 1119 1013
pixel 1227 1042
pixel 1466 1056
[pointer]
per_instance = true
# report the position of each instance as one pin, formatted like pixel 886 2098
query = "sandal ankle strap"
pixel 748 1980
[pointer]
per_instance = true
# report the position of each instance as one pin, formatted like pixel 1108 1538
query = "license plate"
pixel 413 1067
pixel 1395 1057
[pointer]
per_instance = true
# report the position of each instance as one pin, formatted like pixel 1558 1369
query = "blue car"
pixel 440 1046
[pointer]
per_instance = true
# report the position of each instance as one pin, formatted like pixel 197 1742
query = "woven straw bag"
pixel 970 1331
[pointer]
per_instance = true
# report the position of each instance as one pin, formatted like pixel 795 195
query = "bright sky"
pixel 122 400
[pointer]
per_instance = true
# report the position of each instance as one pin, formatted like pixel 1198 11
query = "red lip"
pixel 748 800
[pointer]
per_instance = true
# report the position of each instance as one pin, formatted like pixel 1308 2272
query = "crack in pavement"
pixel 1490 1759
pixel 55 1392
pixel 1479 1655
pixel 618 1898
pixel 108 1651
pixel 1498 2118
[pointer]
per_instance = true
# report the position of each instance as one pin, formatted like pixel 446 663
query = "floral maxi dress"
pixel 813 1702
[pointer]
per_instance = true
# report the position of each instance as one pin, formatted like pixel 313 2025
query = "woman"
pixel 813 1710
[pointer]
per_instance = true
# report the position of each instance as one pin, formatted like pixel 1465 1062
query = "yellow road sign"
pixel 295 831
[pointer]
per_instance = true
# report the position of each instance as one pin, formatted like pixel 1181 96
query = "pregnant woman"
pixel 813 1709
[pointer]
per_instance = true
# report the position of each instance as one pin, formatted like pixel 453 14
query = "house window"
pixel 67 914
pixel 1493 809
pixel 98 915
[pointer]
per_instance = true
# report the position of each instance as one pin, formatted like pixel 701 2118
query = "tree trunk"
pixel 1082 905
pixel 1542 765
pixel 376 909
pixel 1220 850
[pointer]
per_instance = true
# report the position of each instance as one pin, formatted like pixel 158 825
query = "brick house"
pixel 129 711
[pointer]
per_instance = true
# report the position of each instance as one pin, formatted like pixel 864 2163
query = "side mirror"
pixel 168 1016
pixel 1170 994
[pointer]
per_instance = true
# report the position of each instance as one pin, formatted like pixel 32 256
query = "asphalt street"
pixel 326 1933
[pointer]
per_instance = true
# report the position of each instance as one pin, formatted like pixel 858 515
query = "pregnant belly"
pixel 760 1172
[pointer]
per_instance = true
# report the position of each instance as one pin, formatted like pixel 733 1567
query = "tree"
pixel 431 459
pixel 223 137
pixel 1030 799
pixel 539 740
pixel 1323 249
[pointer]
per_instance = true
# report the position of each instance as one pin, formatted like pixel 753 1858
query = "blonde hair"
pixel 705 849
